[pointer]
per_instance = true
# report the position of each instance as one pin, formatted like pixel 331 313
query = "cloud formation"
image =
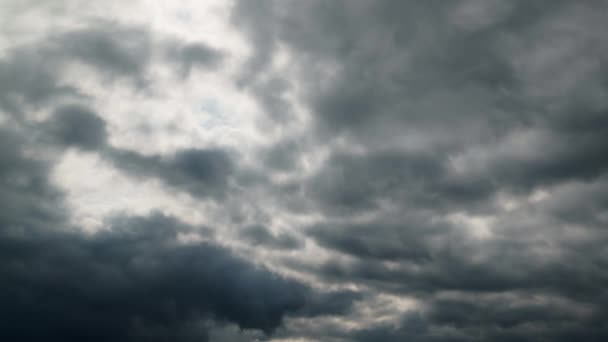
pixel 135 280
pixel 304 170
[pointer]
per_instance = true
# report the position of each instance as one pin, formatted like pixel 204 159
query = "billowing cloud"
pixel 134 280
pixel 304 170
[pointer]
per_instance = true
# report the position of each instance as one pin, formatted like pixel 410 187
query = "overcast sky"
pixel 289 170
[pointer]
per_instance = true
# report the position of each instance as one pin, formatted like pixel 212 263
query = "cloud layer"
pixel 304 171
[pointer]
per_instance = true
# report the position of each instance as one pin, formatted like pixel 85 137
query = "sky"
pixel 296 171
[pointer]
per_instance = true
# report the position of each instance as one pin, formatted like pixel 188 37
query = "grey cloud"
pixel 413 327
pixel 62 284
pixel 355 183
pixel 125 51
pixel 402 69
pixel 258 22
pixel 131 281
pixel 30 75
pixel 201 172
pixel 75 125
pixel 330 303
pixel 132 277
pixel 28 79
pixel 109 48
pixel 283 156
pixel 494 319
pixel 454 155
pixel 194 55
pixel 443 109
pixel 422 258
pixel 404 241
pixel 271 95
pixel 257 19
pixel 350 182
pixel 579 203
pixel 502 313
pixel 360 182
pixel 259 235
pixel 477 267
pixel 26 196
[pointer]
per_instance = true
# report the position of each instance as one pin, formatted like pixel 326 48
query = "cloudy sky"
pixel 320 170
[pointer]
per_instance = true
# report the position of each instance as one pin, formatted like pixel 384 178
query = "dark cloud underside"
pixel 365 170
pixel 134 281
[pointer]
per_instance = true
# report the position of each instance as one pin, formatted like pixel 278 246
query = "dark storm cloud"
pixel 407 240
pixel 538 319
pixel 331 303
pixel 200 172
pixel 359 182
pixel 350 182
pixel 400 68
pixel 259 235
pixel 423 263
pixel 26 197
pixel 441 109
pixel 552 298
pixel 566 156
pixel 456 79
pixel 502 312
pixel 131 281
pixel 412 328
pixel 581 203
pixel 454 156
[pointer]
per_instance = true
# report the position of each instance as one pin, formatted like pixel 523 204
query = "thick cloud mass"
pixel 458 128
pixel 134 281
pixel 78 126
pixel 342 170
